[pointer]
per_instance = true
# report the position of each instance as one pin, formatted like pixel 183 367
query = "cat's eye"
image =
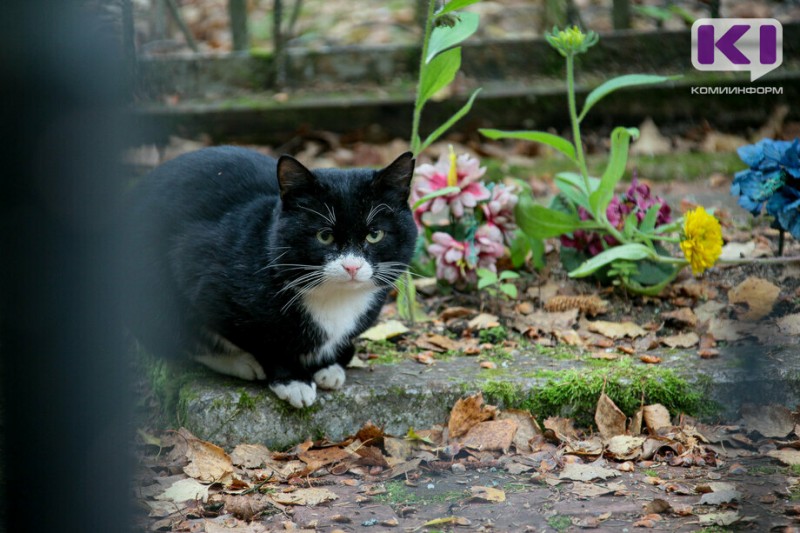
pixel 325 236
pixel 375 236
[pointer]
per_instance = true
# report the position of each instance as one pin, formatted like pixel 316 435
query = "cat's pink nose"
pixel 352 269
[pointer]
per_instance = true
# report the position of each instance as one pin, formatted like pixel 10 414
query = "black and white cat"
pixel 263 269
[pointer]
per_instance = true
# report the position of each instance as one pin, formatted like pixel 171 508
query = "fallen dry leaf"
pixel 617 330
pixel 581 472
pixel 493 435
pixel 185 490
pixel 251 455
pixel 787 456
pixel 624 447
pixel 769 420
pixel 756 296
pixel 655 416
pixel 546 322
pixel 681 318
pixel 609 418
pixel 790 325
pixel 650 359
pixel 723 518
pixel 208 462
pixel 589 490
pixel 439 341
pixel 484 321
pixel 527 428
pixel 467 412
pixel 385 330
pixel 456 312
pixel 309 497
pixel 682 340
pixel 487 494
pixel 424 358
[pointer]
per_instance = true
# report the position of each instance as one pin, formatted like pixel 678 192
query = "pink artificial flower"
pixel 463 172
pixel 458 261
pixel 451 256
pixel 499 210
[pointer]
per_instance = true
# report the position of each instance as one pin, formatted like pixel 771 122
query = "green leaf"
pixel 553 141
pixel 540 222
pixel 576 180
pixel 485 278
pixel 631 224
pixel 438 74
pixel 455 5
pixel 407 305
pixel 629 252
pixel 520 247
pixel 601 197
pixel 435 194
pixel 414 436
pixel 447 125
pixel 573 193
pixel 509 289
pixel 619 82
pixel 446 37
pixel 508 274
pixel 649 220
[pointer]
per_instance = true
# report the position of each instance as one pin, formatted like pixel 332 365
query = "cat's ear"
pixel 293 177
pixel 396 178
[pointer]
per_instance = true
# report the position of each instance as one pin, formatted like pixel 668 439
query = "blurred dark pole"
pixel 621 14
pixel 65 405
pixel 237 11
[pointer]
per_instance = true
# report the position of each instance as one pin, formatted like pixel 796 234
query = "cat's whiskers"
pixel 268 265
pixel 330 219
pixel 375 210
pixel 307 282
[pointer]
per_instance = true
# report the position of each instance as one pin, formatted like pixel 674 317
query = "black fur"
pixel 211 229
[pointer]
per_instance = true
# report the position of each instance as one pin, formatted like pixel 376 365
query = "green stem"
pixel 418 103
pixel 576 128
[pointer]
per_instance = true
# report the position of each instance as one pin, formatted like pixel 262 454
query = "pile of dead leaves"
pixel 188 484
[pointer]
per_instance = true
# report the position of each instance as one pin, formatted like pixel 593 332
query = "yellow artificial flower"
pixel 452 173
pixel 702 239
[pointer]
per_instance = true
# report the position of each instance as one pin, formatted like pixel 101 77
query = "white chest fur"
pixel 337 311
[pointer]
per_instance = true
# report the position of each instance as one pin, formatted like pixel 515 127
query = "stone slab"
pixel 407 394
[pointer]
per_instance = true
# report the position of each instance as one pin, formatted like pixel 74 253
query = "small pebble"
pixel 458 468
pixel 431 486
pixel 369 523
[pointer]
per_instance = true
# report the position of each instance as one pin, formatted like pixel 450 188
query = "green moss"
pixel 560 352
pixel 397 493
pixel 386 352
pixel 574 393
pixel 167 380
pixel 559 522
pixel 493 335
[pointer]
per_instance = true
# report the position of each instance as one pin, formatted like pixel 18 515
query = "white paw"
pixel 297 393
pixel 240 364
pixel 330 377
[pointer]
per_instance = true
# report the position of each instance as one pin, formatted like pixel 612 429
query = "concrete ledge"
pixel 407 394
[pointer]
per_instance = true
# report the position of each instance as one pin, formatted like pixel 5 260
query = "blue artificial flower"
pixel 773 179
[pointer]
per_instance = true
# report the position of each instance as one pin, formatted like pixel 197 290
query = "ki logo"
pixel 754 45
